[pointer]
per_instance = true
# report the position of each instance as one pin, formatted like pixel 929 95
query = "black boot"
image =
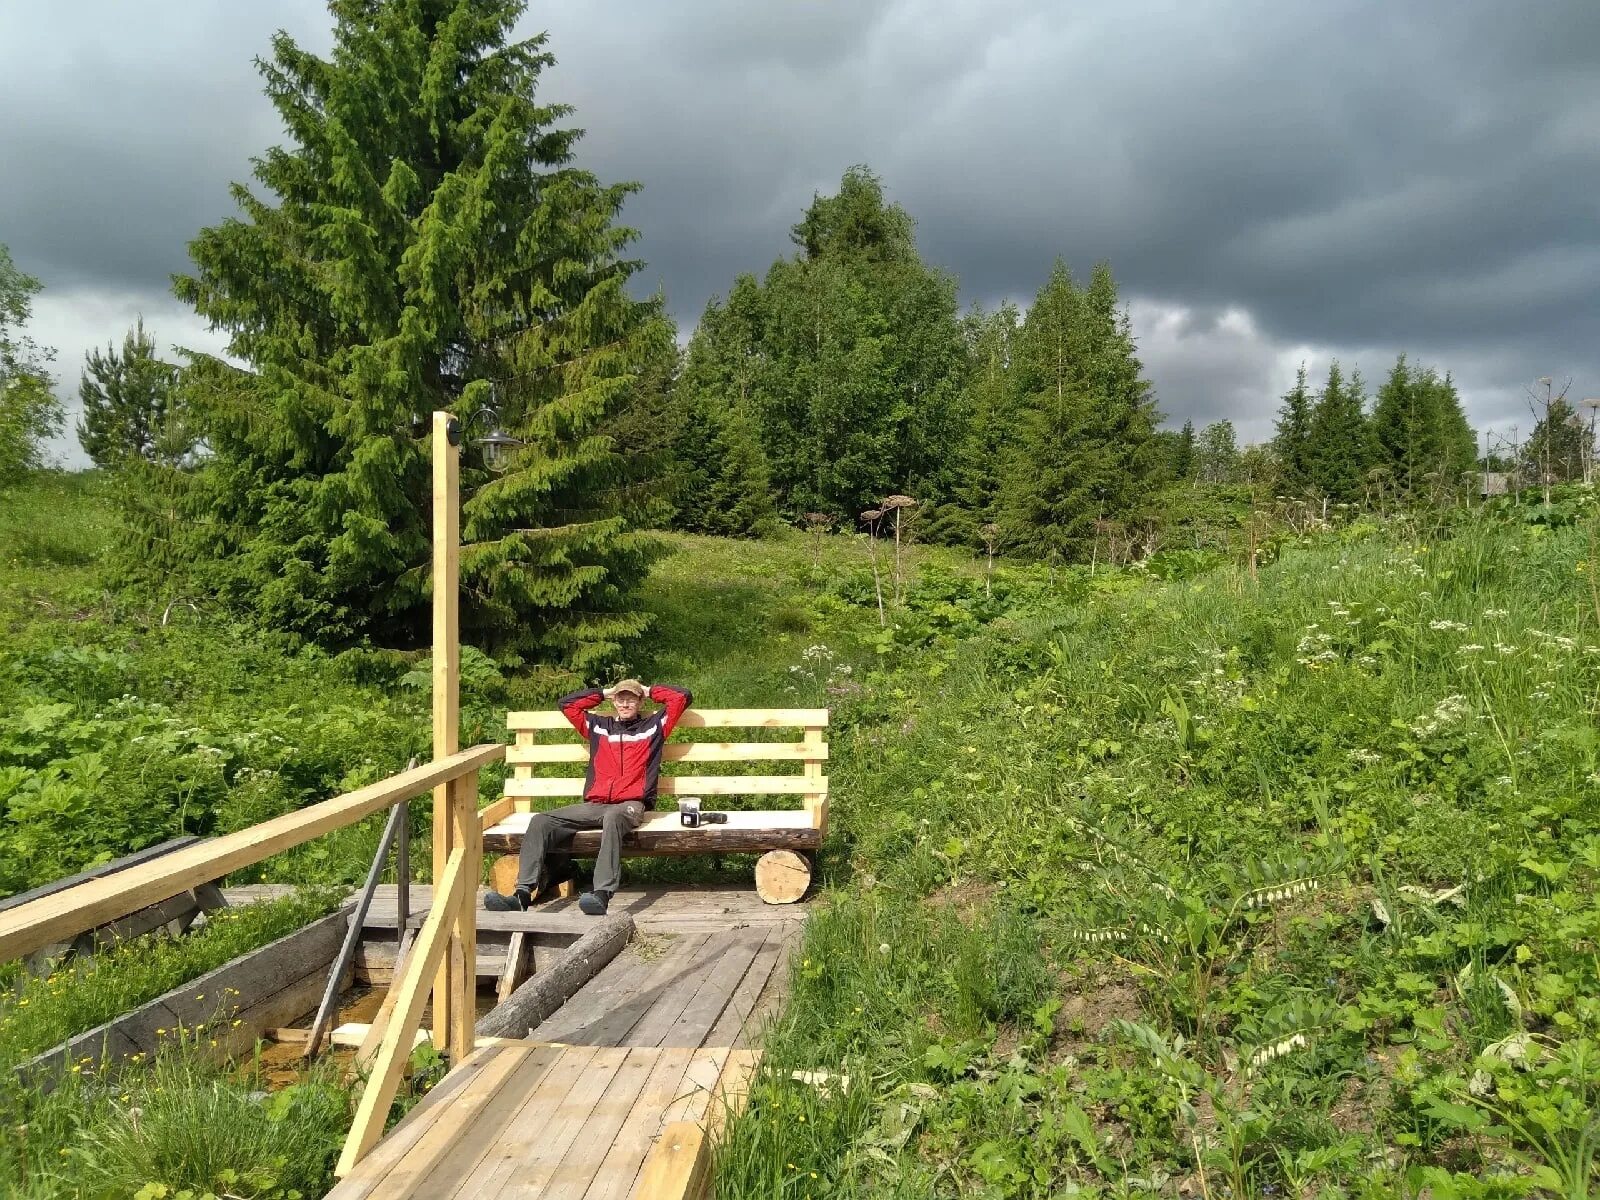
pixel 595 903
pixel 518 901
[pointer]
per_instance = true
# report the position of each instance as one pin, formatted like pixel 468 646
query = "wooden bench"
pixel 786 838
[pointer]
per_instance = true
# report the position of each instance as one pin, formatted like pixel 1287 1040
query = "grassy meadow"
pixel 1170 881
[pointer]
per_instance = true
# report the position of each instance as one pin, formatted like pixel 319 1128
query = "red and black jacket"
pixel 624 756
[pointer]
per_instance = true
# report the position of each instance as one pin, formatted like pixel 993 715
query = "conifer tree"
pixel 129 404
pixel 422 242
pixel 722 480
pixel 1337 452
pixel 1085 447
pixel 29 411
pixel 991 423
pixel 1293 440
pixel 1554 452
pixel 1183 454
pixel 1420 434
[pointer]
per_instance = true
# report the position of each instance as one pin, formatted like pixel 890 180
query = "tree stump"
pixel 782 876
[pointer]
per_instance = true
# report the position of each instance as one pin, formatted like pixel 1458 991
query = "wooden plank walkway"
pixel 525 1119
pixel 664 1034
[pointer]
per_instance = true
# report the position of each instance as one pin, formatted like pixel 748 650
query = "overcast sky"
pixel 1272 182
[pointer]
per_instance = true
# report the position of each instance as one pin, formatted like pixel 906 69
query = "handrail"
pixel 31 926
pixel 453 890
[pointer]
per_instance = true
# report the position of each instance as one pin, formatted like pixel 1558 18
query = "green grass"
pixel 1141 883
pixel 1233 815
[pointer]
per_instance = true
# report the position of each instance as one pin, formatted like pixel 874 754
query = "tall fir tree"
pixel 722 481
pixel 990 404
pixel 130 409
pixel 1087 417
pixel 1338 446
pixel 1293 435
pixel 1184 462
pixel 423 242
pixel 1420 434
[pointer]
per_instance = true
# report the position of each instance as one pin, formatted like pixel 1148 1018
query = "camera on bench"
pixel 691 816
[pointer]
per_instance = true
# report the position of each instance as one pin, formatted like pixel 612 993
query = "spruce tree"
pixel 423 242
pixel 1085 447
pixel 991 422
pixel 722 480
pixel 1420 433
pixel 1292 443
pixel 129 404
pixel 29 412
pixel 1184 463
pixel 1337 452
pixel 1554 452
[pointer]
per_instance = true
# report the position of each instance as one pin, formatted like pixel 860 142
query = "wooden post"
pixel 466 834
pixel 816 802
pixel 446 694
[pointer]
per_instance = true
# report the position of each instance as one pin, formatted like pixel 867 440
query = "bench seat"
pixel 663 833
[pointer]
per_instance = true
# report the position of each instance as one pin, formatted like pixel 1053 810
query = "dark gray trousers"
pixel 550 833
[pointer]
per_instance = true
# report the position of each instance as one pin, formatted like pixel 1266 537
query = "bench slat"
pixel 575 751
pixel 687 785
pixel 697 718
pixel 662 833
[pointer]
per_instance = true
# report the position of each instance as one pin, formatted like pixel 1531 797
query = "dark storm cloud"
pixel 1271 182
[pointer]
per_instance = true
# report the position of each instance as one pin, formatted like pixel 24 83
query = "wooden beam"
pixel 499 810
pixel 58 918
pixel 466 838
pixel 817 797
pixel 686 785
pixel 547 991
pixel 406 1018
pixel 446 681
pixel 679 1165
pixel 697 718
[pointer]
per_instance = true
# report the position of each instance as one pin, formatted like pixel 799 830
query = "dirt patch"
pixel 963 899
pixel 1088 1006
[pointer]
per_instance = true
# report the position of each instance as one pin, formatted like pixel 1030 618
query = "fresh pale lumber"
pixel 406 1017
pixel 59 917
pixel 685 785
pixel 679 1167
pixel 782 876
pixel 697 718
pixel 549 990
pixel 575 751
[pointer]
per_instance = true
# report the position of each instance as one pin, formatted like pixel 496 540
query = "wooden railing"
pixel 442 960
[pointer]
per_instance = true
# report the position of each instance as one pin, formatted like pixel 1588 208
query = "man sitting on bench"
pixel 624 763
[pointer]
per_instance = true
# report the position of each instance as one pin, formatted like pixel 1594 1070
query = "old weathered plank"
pixel 619 980
pixel 716 990
pixel 576 1172
pixel 684 960
pixel 743 1001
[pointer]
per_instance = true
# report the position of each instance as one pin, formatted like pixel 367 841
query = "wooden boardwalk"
pixel 594 1106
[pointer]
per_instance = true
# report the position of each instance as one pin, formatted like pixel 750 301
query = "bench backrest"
pixel 809 752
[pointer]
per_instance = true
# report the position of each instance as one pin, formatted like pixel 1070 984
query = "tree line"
pixel 424 240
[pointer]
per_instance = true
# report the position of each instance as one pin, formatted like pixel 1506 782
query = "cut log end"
pixel 782 876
